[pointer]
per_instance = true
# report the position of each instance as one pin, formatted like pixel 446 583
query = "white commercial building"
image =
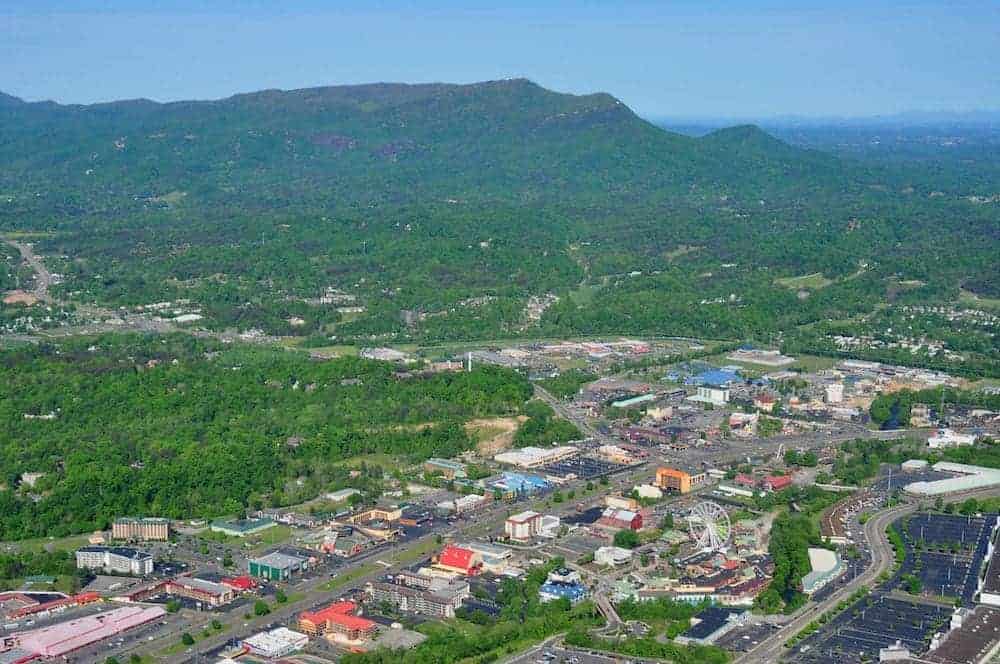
pixel 835 393
pixel 115 560
pixel 523 526
pixel 648 491
pixel 279 642
pixel 735 491
pixel 616 454
pixel 549 526
pixel 825 565
pixel 949 438
pixel 612 556
pixel 341 495
pixel 621 502
pixel 533 457
pixel 969 477
pixel 718 396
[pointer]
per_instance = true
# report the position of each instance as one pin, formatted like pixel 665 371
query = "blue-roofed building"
pixel 521 483
pixel 574 592
pixel 714 378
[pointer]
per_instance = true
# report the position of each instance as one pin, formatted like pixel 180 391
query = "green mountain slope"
pixel 506 139
pixel 423 197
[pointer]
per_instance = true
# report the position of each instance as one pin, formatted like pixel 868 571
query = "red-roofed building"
pixel 765 402
pixel 241 584
pixel 57 604
pixel 745 480
pixel 620 519
pixel 459 560
pixel 339 621
pixel 776 482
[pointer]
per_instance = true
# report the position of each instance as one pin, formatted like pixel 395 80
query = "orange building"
pixel 338 621
pixel 677 481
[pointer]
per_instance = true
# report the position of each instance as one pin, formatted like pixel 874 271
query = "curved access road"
pixel 771 649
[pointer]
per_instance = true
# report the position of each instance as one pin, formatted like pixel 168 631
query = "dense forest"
pixel 179 427
pixel 438 211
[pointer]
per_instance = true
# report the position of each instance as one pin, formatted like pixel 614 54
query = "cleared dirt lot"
pixel 493 434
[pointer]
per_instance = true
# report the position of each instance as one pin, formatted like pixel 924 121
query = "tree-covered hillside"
pixel 443 208
pixel 179 427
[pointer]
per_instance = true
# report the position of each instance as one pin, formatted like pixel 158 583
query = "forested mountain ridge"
pixel 457 203
pixel 511 140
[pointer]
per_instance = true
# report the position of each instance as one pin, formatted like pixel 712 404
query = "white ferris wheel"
pixel 709 526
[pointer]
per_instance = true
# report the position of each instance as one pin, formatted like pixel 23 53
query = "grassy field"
pixel 276 535
pixel 197 634
pixel 814 362
pixel 349 577
pixel 812 281
pixel 804 362
pixel 63 584
pixel 71 543
pixel 968 299
pixel 417 552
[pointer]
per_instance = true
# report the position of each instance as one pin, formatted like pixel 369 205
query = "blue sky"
pixel 665 59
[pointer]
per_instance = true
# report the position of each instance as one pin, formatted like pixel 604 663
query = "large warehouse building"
pixel 533 457
pixel 277 566
pixel 965 478
pixel 66 637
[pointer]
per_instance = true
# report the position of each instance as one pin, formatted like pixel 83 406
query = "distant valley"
pixel 393 213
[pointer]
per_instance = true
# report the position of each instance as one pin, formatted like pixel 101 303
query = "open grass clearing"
pixel 813 281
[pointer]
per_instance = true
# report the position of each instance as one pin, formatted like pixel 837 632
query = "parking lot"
pixel 584 468
pixel 575 545
pixel 946 552
pixel 872 623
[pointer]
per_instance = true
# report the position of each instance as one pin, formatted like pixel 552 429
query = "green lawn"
pixel 179 647
pixel 813 281
pixel 71 543
pixel 350 576
pixel 416 552
pixel 63 584
pixel 968 299
pixel 276 535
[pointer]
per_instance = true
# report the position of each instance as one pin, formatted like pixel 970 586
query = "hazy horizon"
pixel 749 60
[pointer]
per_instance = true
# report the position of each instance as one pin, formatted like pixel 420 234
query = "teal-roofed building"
pixel 634 401
pixel 241 527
